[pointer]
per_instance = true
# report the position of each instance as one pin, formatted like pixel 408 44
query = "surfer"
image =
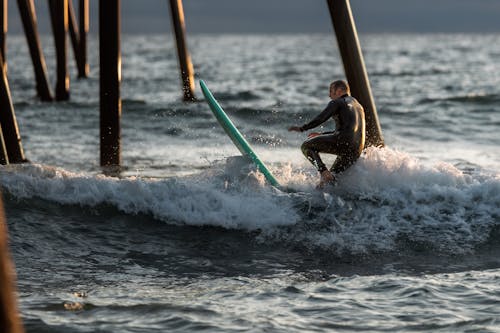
pixel 348 139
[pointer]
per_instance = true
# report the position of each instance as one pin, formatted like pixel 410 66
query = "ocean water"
pixel 185 240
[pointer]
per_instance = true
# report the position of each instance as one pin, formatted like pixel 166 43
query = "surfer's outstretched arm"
pixel 326 114
pixel 320 119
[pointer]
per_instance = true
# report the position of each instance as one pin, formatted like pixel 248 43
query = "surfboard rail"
pixel 234 134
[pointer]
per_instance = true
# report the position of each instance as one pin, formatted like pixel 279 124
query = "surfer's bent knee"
pixel 312 155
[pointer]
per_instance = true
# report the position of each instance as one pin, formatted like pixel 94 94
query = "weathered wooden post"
pixel 28 17
pixel 354 66
pixel 185 64
pixel 4 104
pixel 78 34
pixel 83 13
pixel 8 122
pixel 3 29
pixel 73 32
pixel 59 19
pixel 10 322
pixel 110 77
pixel 4 157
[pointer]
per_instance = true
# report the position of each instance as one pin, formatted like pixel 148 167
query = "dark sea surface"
pixel 186 241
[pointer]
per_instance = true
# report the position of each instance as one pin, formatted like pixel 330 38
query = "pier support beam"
pixel 83 13
pixel 354 66
pixel 10 321
pixel 59 19
pixel 28 17
pixel 4 104
pixel 109 78
pixel 73 32
pixel 8 123
pixel 3 30
pixel 185 64
pixel 78 35
pixel 4 157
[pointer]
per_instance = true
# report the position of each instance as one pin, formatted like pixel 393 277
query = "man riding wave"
pixel 348 139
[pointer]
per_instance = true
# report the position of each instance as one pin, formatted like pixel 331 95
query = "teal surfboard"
pixel 239 141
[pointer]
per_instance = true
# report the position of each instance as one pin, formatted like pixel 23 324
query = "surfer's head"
pixel 339 88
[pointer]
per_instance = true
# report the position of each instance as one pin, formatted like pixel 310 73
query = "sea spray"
pixel 388 200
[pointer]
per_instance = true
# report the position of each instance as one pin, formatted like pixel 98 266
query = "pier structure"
pixel 78 33
pixel 10 139
pixel 64 22
pixel 109 81
pixel 354 66
pixel 185 64
pixel 3 29
pixel 59 20
pixel 10 320
pixel 28 17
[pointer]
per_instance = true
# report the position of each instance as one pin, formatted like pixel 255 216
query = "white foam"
pixel 386 200
pixel 389 197
pixel 192 201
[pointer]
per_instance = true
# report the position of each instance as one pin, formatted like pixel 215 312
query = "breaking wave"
pixel 387 201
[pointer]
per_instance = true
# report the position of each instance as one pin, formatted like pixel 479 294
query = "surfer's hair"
pixel 340 84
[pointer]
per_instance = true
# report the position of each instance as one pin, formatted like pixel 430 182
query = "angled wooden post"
pixel 78 39
pixel 3 30
pixel 354 66
pixel 83 13
pixel 10 321
pixel 73 32
pixel 4 157
pixel 5 103
pixel 185 64
pixel 109 80
pixel 8 122
pixel 59 19
pixel 28 17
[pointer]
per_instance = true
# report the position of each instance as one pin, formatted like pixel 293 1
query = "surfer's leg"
pixel 324 143
pixel 342 163
pixel 311 148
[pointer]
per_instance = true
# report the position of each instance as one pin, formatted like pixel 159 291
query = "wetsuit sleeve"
pixel 329 111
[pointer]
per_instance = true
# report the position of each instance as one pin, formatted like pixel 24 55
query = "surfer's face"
pixel 335 93
pixel 332 92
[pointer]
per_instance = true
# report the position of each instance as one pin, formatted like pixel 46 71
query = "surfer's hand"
pixel 294 129
pixel 312 135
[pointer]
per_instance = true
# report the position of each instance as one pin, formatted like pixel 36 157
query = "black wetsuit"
pixel 346 142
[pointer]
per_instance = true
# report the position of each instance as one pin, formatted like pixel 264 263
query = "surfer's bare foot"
pixel 326 179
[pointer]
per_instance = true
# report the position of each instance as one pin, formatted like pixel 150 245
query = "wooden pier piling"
pixel 10 321
pixel 83 13
pixel 110 77
pixel 73 32
pixel 185 64
pixel 8 122
pixel 354 66
pixel 78 34
pixel 4 104
pixel 59 19
pixel 3 30
pixel 28 17
pixel 4 157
